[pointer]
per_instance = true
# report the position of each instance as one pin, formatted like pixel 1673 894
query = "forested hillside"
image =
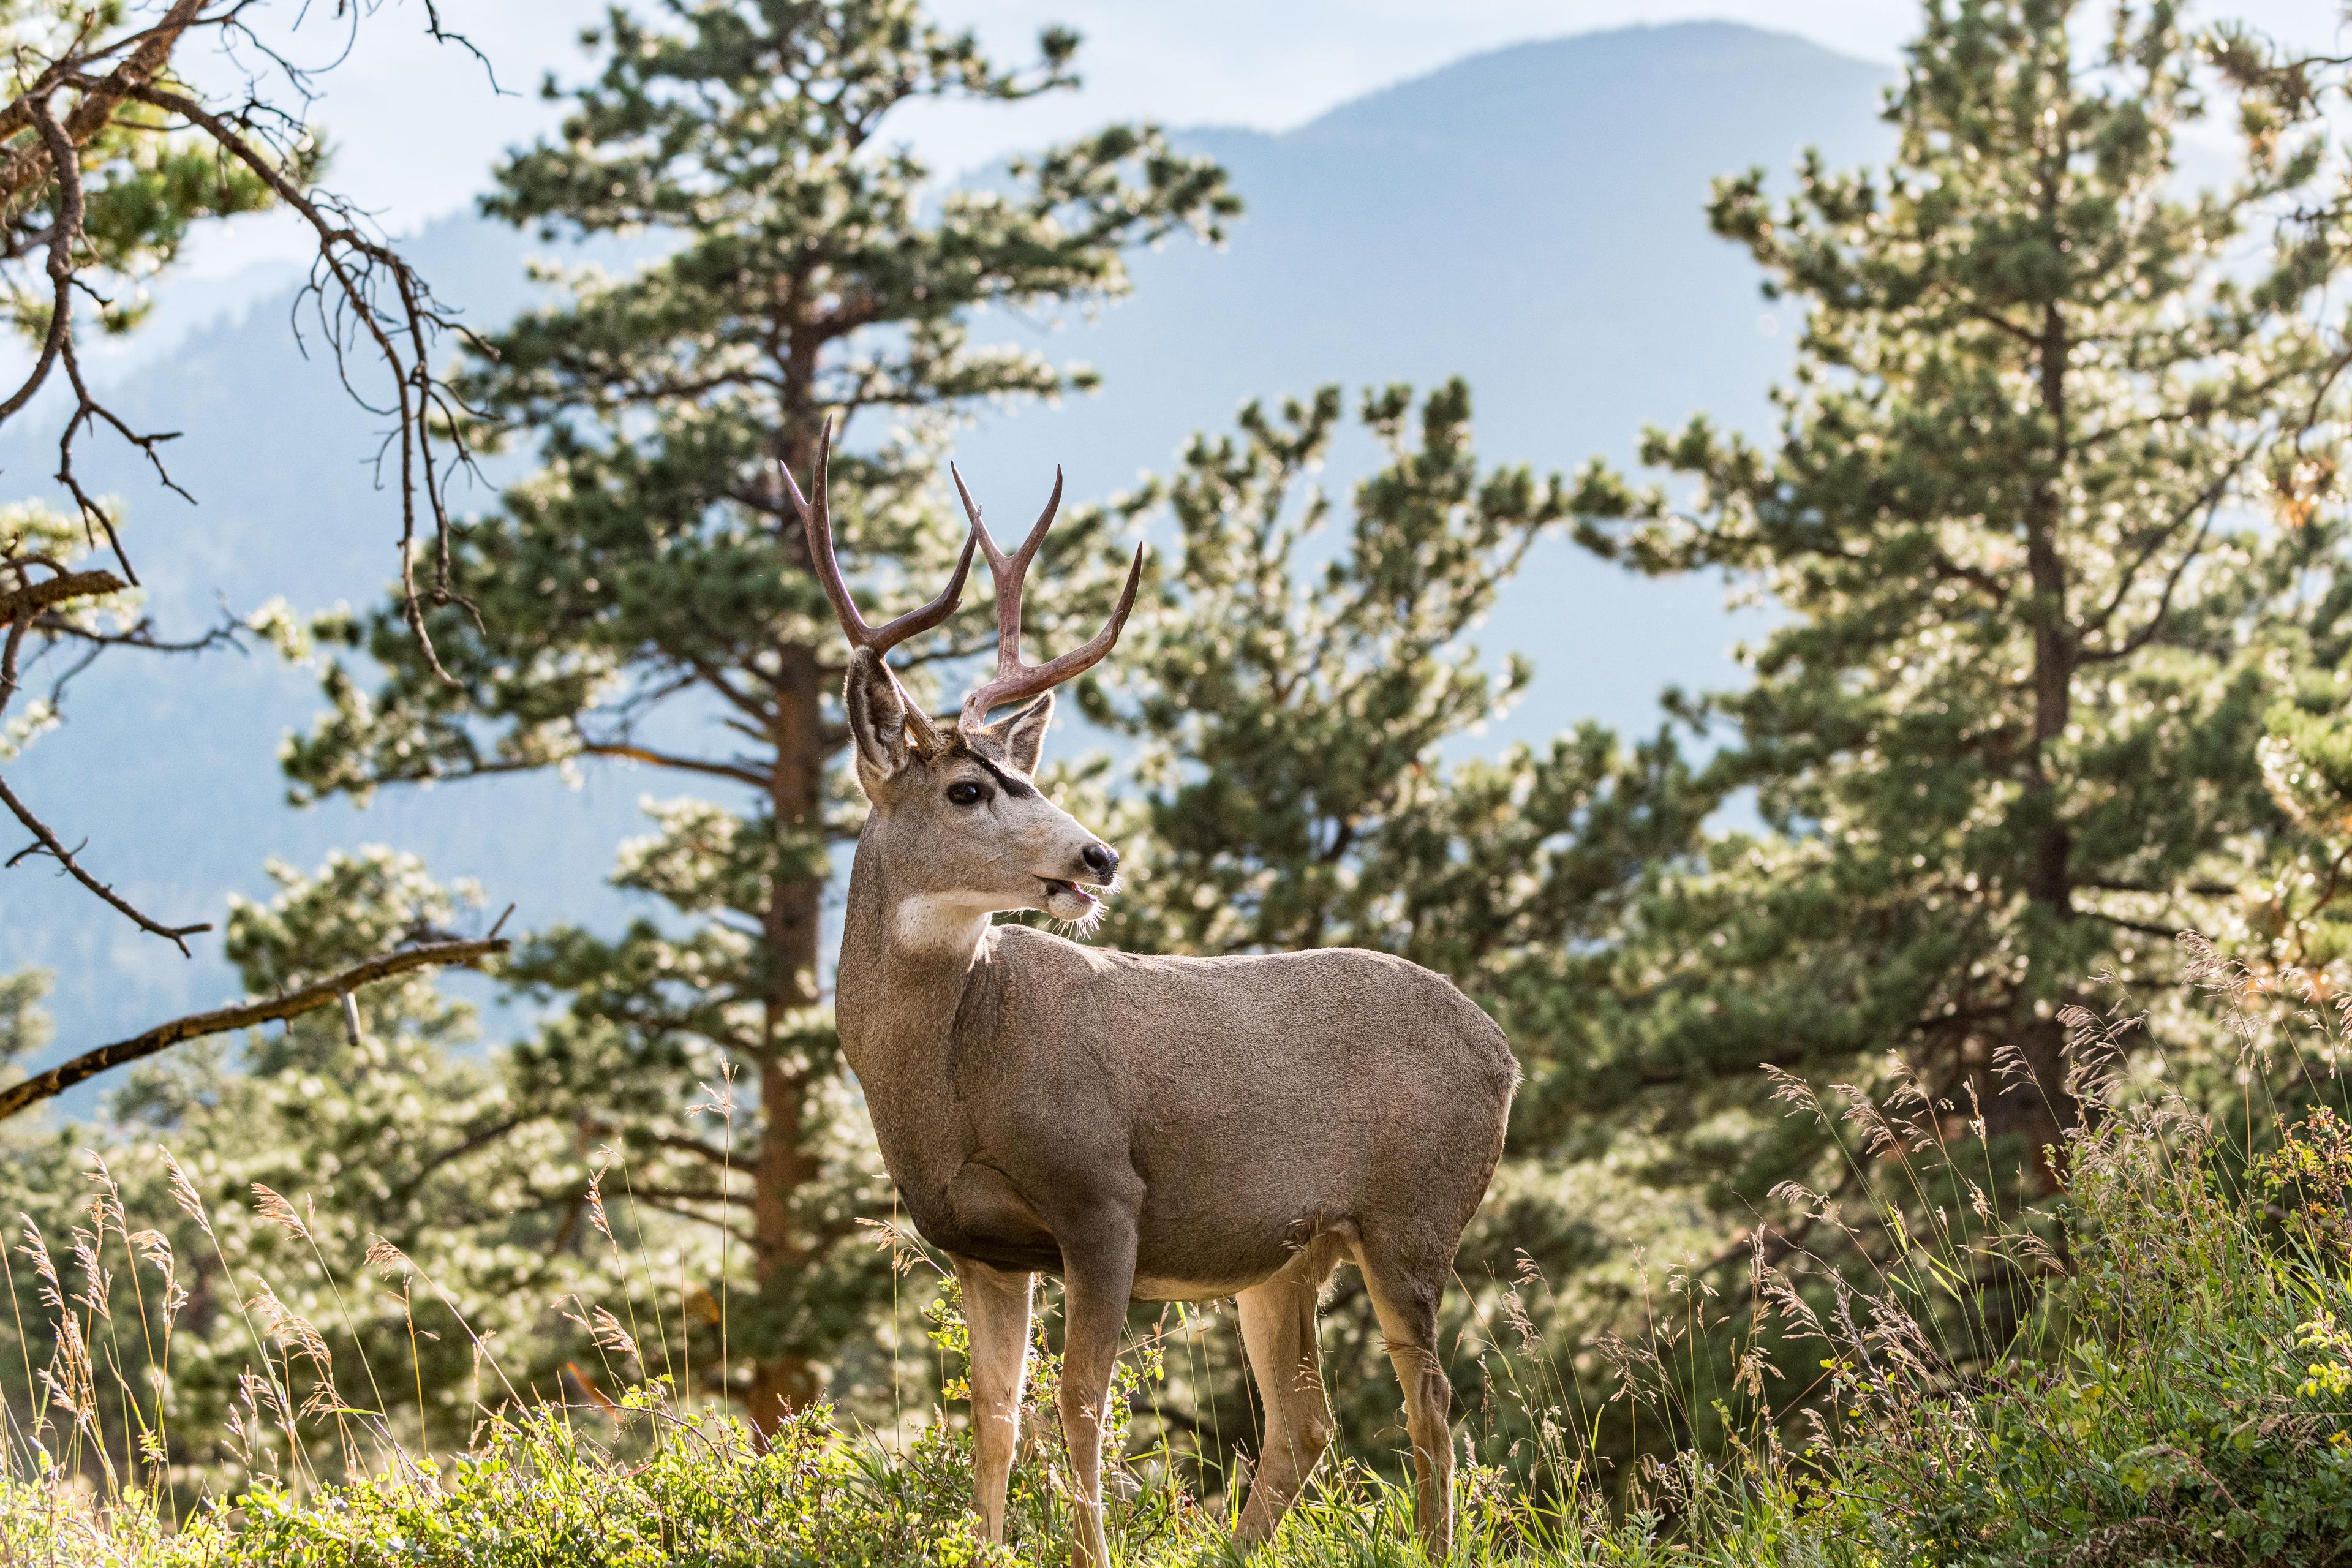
pixel 1557 256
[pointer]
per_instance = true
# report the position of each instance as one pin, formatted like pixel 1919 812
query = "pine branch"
pixel 151 53
pixel 653 759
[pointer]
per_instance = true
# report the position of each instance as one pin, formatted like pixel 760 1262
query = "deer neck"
pixel 905 964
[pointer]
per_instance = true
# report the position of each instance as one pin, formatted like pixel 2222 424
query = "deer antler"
pixel 816 527
pixel 1014 680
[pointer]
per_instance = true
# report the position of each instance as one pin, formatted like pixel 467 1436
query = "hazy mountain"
pixel 1530 218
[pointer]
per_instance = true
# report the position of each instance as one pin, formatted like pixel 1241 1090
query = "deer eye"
pixel 963 792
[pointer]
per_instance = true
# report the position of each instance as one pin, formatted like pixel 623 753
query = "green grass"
pixel 2157 1371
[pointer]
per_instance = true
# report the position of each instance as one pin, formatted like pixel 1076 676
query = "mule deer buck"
pixel 1149 1128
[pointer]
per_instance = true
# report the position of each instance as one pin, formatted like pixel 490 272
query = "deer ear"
pixel 877 719
pixel 1023 736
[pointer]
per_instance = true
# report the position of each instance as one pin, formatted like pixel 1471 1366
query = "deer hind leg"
pixel 1405 1293
pixel 1278 1332
pixel 1097 1284
pixel 996 1311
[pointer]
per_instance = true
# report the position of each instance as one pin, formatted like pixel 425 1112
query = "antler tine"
pixel 1014 680
pixel 816 526
pixel 1008 573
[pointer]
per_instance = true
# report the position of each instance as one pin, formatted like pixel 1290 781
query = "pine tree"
pixel 2049 480
pixel 1300 695
pixel 645 596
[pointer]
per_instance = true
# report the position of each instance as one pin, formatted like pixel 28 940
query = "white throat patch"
pixel 931 923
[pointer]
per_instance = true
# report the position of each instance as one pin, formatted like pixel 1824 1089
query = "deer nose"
pixel 1102 861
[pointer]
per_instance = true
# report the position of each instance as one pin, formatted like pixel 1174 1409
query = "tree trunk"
pixel 779 1384
pixel 2029 1099
pixel 784 1383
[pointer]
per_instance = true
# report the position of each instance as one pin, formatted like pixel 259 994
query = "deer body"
pixel 1234 1107
pixel 1158 1128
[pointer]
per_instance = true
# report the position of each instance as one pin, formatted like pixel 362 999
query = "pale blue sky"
pixel 418 126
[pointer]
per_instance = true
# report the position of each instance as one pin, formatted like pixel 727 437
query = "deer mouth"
pixel 1068 900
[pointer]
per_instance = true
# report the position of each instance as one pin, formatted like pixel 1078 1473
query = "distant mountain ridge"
pixel 1530 219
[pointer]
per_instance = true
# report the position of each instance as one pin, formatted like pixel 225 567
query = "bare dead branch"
pixel 18 611
pixel 326 991
pixel 46 842
pixel 29 606
pixel 74 93
pixel 61 238
pixel 52 591
pixel 348 258
pixel 67 229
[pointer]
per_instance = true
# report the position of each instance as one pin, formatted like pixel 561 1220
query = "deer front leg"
pixel 996 1311
pixel 1098 1282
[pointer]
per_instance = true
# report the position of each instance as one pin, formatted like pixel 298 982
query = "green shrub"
pixel 2182 1404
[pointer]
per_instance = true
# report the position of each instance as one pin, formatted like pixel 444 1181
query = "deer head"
pixel 959 828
